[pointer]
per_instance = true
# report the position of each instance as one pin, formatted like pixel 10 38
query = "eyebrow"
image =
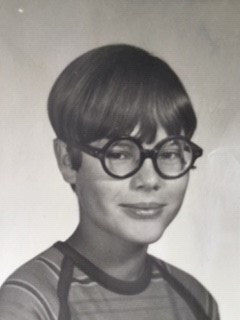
pixel 123 143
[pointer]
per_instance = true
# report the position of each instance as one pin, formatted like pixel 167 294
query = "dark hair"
pixel 109 90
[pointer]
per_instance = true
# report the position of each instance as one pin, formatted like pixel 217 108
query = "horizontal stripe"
pixel 149 310
pixel 84 282
pixel 49 265
pixel 123 299
pixel 33 291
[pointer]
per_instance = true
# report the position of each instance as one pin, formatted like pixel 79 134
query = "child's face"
pixel 137 209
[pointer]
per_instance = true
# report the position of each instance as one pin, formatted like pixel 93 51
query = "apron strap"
pixel 191 301
pixel 66 277
pixel 63 288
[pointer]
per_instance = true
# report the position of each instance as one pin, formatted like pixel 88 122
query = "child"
pixel 123 122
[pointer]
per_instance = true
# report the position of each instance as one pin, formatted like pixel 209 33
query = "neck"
pixel 125 261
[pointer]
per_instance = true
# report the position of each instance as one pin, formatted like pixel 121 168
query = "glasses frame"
pixel 144 154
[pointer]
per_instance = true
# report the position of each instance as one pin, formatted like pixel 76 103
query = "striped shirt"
pixel 61 284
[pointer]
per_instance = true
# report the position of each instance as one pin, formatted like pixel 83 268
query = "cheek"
pixel 95 188
pixel 175 195
pixel 178 188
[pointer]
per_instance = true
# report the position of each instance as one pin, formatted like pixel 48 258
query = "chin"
pixel 149 238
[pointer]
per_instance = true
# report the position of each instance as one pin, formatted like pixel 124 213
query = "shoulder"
pixel 42 270
pixel 31 289
pixel 195 288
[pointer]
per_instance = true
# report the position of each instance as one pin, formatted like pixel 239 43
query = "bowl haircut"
pixel 109 91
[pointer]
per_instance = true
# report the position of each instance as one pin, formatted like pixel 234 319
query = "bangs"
pixel 111 90
pixel 133 96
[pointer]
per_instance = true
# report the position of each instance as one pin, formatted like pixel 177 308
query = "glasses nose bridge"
pixel 148 153
pixel 147 175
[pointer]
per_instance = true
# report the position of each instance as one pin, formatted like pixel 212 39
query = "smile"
pixel 143 210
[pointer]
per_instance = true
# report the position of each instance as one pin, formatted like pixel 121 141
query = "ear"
pixel 64 161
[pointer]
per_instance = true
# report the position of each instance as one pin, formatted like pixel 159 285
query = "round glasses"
pixel 123 157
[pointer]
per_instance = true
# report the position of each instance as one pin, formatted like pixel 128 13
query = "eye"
pixel 170 155
pixel 119 155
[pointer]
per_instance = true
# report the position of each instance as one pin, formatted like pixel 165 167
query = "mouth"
pixel 143 210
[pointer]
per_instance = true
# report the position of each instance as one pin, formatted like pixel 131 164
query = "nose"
pixel 147 179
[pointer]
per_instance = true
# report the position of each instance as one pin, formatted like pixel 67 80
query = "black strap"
pixel 63 288
pixel 66 277
pixel 103 279
pixel 191 301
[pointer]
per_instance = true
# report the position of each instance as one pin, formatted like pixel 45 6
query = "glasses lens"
pixel 122 157
pixel 174 157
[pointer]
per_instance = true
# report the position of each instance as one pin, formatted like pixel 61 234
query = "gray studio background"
pixel 201 41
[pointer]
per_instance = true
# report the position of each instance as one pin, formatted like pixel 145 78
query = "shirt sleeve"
pixel 212 307
pixel 20 300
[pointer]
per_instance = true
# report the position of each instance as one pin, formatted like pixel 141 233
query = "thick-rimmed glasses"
pixel 123 157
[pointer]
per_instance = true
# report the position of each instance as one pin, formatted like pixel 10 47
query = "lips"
pixel 143 210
